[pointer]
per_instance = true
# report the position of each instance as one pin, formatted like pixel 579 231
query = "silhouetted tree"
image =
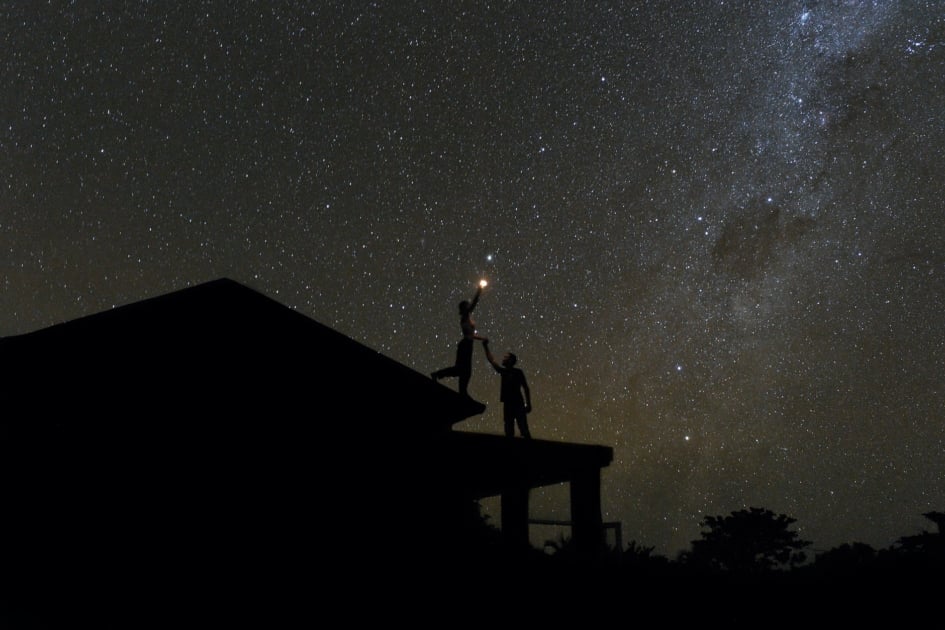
pixel 476 530
pixel 848 558
pixel 929 547
pixel 939 519
pixel 564 551
pixel 563 544
pixel 747 541
pixel 639 560
pixel 637 554
pixel 636 551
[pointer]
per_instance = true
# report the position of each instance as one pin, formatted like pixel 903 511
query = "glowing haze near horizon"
pixel 713 231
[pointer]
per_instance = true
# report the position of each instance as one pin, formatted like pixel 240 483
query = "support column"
pixel 588 528
pixel 514 506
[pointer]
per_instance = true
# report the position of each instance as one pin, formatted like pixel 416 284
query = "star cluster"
pixel 712 231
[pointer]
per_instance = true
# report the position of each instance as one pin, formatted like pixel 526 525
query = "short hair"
pixel 512 358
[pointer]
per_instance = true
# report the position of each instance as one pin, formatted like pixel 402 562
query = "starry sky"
pixel 713 230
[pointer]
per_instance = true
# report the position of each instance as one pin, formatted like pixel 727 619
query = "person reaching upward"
pixel 515 395
pixel 462 368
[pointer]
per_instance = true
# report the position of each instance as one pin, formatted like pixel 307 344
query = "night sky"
pixel 713 230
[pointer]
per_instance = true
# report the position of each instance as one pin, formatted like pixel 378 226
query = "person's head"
pixel 509 360
pixel 464 307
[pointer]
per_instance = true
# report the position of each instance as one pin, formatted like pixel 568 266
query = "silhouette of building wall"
pixel 212 436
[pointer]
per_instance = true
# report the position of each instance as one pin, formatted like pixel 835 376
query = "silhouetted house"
pixel 212 442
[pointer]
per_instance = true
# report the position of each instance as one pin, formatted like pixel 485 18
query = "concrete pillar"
pixel 514 506
pixel 588 528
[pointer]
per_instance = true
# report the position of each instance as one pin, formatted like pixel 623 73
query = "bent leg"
pixel 464 376
pixel 449 371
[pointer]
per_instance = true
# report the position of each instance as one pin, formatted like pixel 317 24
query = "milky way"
pixel 713 233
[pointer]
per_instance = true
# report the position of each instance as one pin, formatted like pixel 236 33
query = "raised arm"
pixel 489 357
pixel 475 300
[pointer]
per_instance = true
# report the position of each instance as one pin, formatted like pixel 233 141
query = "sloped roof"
pixel 217 349
pixel 215 440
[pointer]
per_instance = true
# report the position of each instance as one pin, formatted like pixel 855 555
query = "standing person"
pixel 515 406
pixel 464 349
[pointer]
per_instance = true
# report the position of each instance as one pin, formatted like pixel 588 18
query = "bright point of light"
pixel 482 284
pixel 489 257
pixel 686 438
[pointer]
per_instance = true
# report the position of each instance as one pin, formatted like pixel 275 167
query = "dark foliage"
pixel 747 541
